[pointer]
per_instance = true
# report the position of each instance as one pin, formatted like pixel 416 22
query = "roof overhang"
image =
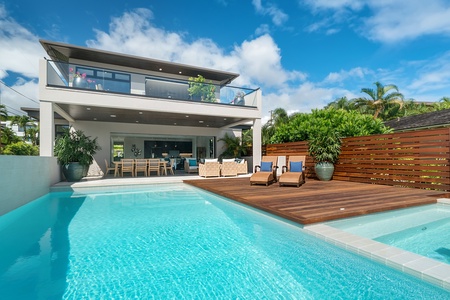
pixel 64 52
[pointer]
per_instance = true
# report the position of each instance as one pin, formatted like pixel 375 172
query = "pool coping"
pixel 419 266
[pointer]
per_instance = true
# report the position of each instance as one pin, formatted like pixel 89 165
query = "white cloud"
pixel 387 21
pixel 258 60
pixel 20 52
pixel 278 16
pixel 19 48
pixel 335 77
pixel 420 18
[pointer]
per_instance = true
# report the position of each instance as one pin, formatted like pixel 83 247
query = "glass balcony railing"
pixel 66 75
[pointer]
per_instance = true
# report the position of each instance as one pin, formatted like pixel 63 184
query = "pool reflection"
pixel 35 248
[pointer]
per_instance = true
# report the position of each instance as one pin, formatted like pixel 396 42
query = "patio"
pixel 319 201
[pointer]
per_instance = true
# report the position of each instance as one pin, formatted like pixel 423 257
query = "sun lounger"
pixel 295 173
pixel 266 173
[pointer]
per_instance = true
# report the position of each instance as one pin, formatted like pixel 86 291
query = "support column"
pixel 47 128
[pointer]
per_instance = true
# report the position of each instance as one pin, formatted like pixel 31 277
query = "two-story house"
pixel 139 107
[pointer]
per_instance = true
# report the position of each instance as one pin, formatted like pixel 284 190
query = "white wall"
pixel 25 178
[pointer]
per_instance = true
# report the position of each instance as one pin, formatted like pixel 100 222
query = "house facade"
pixel 141 108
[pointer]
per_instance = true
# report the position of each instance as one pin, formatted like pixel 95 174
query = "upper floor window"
pixel 107 80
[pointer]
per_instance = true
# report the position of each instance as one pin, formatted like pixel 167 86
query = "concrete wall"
pixel 25 178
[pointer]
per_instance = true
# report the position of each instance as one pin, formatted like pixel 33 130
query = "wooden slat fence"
pixel 418 159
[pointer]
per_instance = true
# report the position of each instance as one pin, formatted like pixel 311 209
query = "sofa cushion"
pixel 210 160
pixel 192 162
pixel 266 166
pixel 296 166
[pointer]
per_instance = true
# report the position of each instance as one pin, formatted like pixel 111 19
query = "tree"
pixel 444 103
pixel 278 117
pixel 3 117
pixel 379 99
pixel 234 146
pixel 23 122
pixel 9 136
pixel 341 103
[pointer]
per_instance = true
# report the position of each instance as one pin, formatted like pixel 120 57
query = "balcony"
pixel 150 86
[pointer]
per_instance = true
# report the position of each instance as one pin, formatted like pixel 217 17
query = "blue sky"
pixel 303 54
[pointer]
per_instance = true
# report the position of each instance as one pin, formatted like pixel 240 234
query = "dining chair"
pixel 170 166
pixel 128 166
pixel 140 165
pixel 108 168
pixel 153 166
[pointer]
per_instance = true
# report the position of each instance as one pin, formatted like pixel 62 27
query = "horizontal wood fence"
pixel 418 159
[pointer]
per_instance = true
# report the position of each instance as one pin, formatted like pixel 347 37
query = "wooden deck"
pixel 318 201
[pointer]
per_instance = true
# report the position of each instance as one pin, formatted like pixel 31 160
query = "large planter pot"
pixel 74 171
pixel 324 170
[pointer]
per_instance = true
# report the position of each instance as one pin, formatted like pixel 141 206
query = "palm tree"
pixel 379 98
pixel 341 103
pixel 278 116
pixel 22 121
pixel 3 117
pixel 234 147
pixel 444 103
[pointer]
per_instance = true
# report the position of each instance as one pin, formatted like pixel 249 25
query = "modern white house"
pixel 140 107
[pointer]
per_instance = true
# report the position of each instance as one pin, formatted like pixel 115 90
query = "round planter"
pixel 79 82
pixel 74 171
pixel 324 170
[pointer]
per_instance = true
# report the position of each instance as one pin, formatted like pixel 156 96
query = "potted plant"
pixel 325 147
pixel 74 151
pixel 199 90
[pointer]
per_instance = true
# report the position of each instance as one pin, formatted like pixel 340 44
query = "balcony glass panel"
pixel 101 80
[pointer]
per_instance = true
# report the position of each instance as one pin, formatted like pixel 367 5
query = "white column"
pixel 257 131
pixel 47 128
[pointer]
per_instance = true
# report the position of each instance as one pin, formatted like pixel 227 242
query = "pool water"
pixel 424 230
pixel 175 241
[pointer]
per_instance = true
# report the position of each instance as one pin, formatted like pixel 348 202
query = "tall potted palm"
pixel 325 147
pixel 74 151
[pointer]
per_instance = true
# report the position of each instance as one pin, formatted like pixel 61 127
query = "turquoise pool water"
pixel 424 230
pixel 177 242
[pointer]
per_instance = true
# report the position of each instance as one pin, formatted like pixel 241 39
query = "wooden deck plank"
pixel 318 201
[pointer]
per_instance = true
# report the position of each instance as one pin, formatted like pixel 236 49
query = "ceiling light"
pixel 95 119
pixel 179 72
pixel 187 116
pixel 140 112
pixel 112 116
pixel 224 119
pixel 200 122
pixel 137 121
pixel 160 69
pixel 174 123
pixel 88 108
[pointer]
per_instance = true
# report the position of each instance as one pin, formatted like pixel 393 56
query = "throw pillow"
pixel 228 160
pixel 266 166
pixel 192 163
pixel 295 166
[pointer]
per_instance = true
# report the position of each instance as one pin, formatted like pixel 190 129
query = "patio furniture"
pixel 153 166
pixel 267 172
pixel 108 168
pixel 242 167
pixel 169 167
pixel 190 165
pixel 295 173
pixel 209 169
pixel 140 165
pixel 229 167
pixel 127 166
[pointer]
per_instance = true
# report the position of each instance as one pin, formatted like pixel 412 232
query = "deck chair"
pixel 127 166
pixel 153 166
pixel 108 168
pixel 295 173
pixel 140 165
pixel 265 173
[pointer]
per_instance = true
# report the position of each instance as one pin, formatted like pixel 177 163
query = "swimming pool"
pixel 424 230
pixel 175 241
